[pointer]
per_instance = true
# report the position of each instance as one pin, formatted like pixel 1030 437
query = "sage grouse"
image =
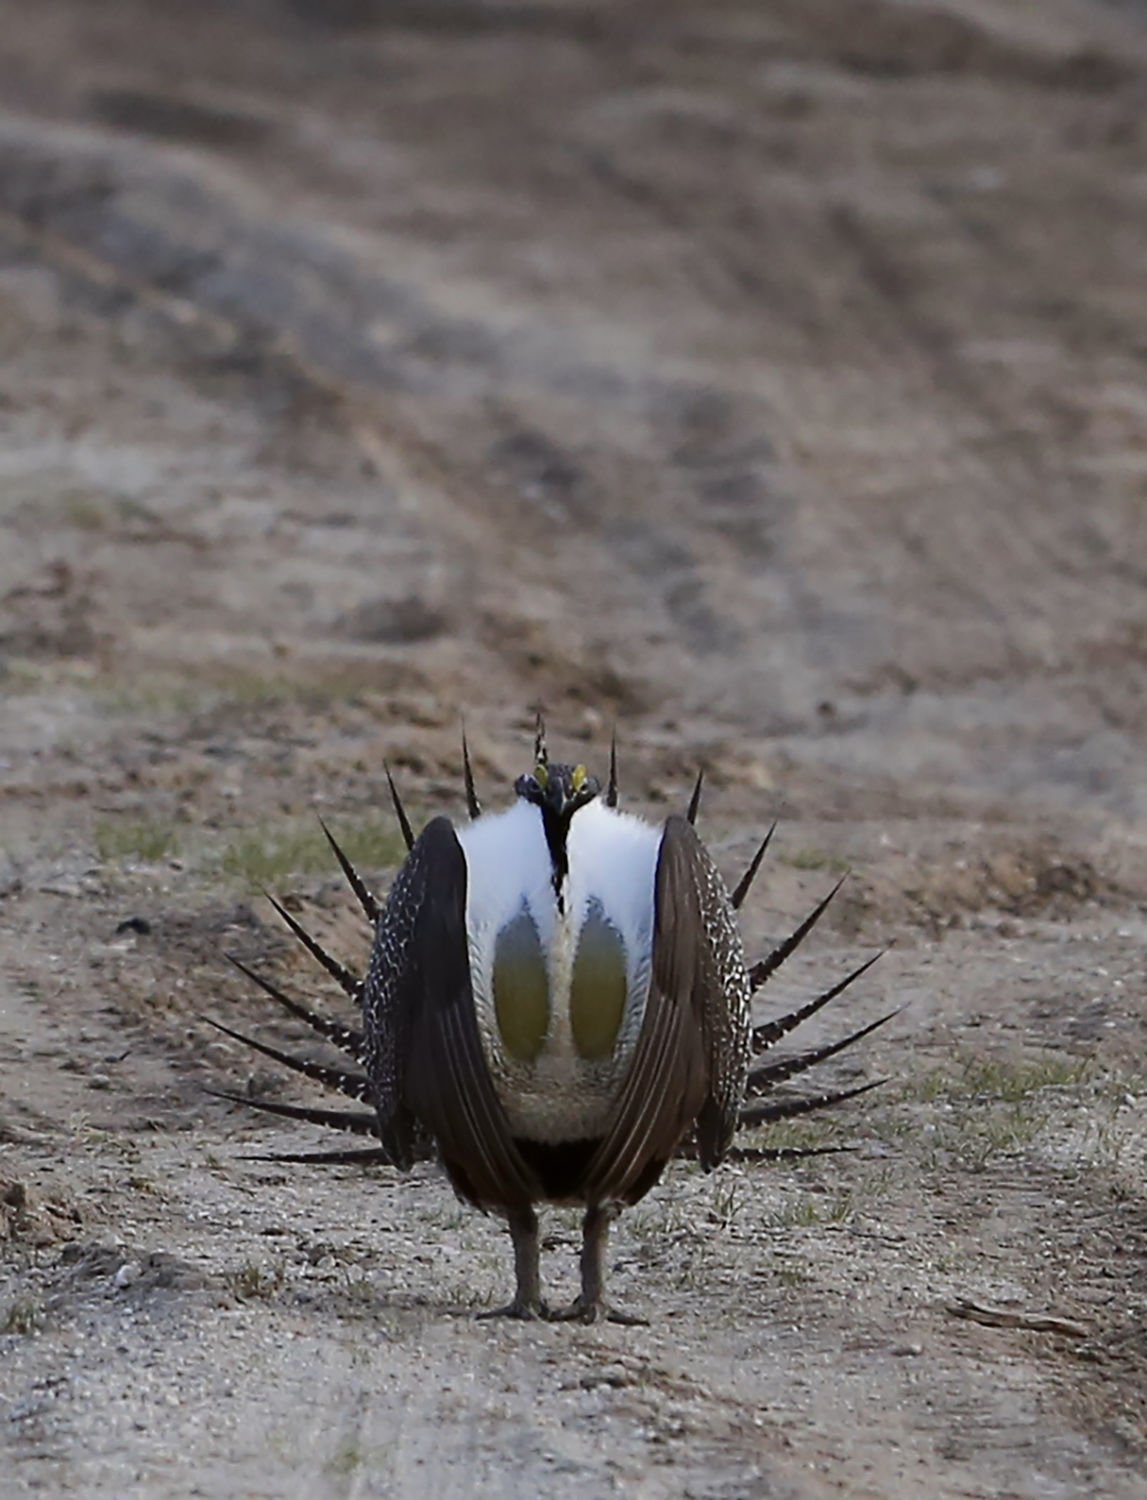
pixel 557 1003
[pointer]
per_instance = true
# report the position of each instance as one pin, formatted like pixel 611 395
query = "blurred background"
pixel 762 377
pixel 772 370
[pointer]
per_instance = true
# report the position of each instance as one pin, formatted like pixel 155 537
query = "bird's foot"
pixel 523 1309
pixel 596 1310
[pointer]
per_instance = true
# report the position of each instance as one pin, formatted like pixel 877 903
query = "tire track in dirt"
pixel 710 605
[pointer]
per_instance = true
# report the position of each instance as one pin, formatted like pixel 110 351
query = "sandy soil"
pixel 766 379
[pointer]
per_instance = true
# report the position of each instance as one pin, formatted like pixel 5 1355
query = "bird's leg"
pixel 527 1301
pixel 591 1306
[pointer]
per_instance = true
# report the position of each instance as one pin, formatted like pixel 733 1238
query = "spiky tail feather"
pixel 349 983
pixel 745 883
pixel 400 812
pixel 353 1121
pixel 366 897
pixel 688 1152
pixel 346 1038
pixel 768 966
pixel 473 806
pixel 788 1109
pixel 352 1085
pixel 770 1032
pixel 783 1153
pixel 367 1156
pixel 695 800
pixel 762 1079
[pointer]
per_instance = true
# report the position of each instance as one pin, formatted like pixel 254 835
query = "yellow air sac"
pixel 598 988
pixel 521 989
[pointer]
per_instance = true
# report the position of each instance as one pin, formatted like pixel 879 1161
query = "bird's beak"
pixel 571 793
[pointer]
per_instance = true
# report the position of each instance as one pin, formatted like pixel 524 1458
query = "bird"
pixel 557 1004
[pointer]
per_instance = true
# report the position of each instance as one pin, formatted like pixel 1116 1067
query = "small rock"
pixel 612 1376
pixel 128 1274
pixel 134 924
pixel 16 1195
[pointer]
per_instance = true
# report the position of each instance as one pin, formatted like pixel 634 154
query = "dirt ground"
pixel 766 379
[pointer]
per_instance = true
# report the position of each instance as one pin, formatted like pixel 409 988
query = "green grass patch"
pixel 25 1316
pixel 797 1213
pixel 808 1134
pixel 253 1281
pixel 980 1078
pixel 814 859
pixel 808 1210
pixel 791 1275
pixel 18 677
pixel 350 1457
pixel 240 689
pixel 1014 1082
pixel 986 1108
pixel 1001 1131
pixel 86 512
pixel 121 840
pixel 261 856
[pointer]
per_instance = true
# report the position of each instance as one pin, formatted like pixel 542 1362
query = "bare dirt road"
pixel 767 379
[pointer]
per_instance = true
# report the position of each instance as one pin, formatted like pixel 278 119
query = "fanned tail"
pixel 764 1078
pixel 755 1111
pixel 348 1039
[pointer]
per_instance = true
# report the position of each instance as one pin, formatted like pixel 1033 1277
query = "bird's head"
pixel 559 790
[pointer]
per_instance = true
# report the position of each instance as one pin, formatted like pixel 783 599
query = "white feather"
pixel 508 863
pixel 612 860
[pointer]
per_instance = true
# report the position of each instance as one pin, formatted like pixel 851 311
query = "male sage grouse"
pixel 557 1003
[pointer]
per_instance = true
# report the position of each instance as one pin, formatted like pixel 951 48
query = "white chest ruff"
pixel 558 1093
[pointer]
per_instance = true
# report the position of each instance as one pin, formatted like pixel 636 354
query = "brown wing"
pixel 439 1070
pixel 679 1073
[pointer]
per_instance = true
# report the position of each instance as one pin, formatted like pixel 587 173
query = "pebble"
pixel 134 924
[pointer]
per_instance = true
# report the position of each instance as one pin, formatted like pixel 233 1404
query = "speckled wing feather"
pixel 692 1054
pixel 723 995
pixel 425 1056
pixel 388 1000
